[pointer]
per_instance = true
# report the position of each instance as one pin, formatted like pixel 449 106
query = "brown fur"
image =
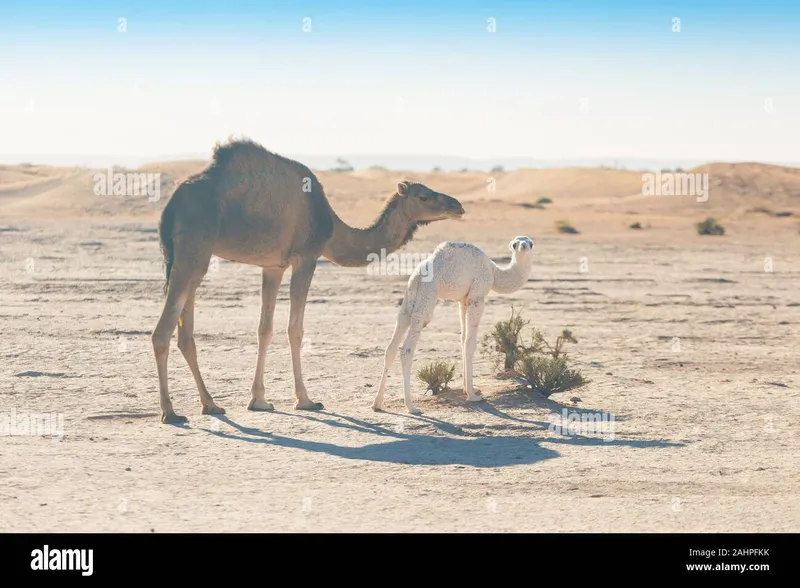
pixel 255 207
pixel 389 206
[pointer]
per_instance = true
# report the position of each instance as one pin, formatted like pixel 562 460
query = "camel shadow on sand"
pixel 463 448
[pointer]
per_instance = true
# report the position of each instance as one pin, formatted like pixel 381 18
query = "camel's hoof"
pixel 377 408
pixel 309 405
pixel 170 418
pixel 476 398
pixel 213 410
pixel 414 411
pixel 260 404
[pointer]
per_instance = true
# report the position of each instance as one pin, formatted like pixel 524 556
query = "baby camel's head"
pixel 521 246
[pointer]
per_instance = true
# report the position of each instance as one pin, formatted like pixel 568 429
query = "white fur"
pixel 454 271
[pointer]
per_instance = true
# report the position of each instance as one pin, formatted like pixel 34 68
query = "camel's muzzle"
pixel 453 206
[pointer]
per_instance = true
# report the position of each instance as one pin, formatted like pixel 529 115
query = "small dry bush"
pixel 542 366
pixel 506 339
pixel 565 227
pixel 710 227
pixel 436 376
pixel 548 375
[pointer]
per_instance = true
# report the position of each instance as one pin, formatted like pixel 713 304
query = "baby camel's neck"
pixel 512 277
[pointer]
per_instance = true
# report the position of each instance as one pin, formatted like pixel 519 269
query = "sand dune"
pixel 747 197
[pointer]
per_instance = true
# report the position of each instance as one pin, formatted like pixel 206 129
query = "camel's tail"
pixel 165 238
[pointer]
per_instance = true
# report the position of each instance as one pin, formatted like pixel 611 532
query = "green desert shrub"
pixel 547 375
pixel 564 227
pixel 543 367
pixel 506 339
pixel 710 227
pixel 436 376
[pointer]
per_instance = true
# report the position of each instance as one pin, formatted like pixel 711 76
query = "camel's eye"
pixel 423 197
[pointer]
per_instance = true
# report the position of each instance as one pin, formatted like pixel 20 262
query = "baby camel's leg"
pixel 474 314
pixel 407 358
pixel 403 321
pixel 462 307
pixel 424 306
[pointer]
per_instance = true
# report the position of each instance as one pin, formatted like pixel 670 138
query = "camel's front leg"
pixel 270 284
pixel 474 313
pixel 302 273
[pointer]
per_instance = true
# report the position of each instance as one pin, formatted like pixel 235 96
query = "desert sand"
pixel 689 342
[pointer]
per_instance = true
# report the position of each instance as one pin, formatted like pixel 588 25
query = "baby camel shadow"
pixel 521 398
pixel 416 449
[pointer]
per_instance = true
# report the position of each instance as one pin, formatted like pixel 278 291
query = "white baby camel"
pixel 454 271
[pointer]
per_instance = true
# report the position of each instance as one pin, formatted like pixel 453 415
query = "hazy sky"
pixel 555 79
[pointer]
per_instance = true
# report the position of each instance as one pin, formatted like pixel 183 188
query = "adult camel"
pixel 255 207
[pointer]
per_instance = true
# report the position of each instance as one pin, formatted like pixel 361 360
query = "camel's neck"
pixel 512 277
pixel 351 247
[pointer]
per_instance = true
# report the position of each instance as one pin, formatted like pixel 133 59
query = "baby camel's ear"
pixel 402 188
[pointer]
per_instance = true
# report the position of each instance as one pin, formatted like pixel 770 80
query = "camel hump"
pixel 245 155
pixel 224 153
pixel 245 172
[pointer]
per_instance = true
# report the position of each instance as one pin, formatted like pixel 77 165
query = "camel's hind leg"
pixel 403 321
pixel 190 264
pixel 474 313
pixel 407 358
pixel 180 288
pixel 421 315
pixel 187 346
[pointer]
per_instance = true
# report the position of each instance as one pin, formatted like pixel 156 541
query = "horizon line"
pixel 619 163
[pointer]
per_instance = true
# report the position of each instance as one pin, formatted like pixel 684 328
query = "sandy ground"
pixel 689 343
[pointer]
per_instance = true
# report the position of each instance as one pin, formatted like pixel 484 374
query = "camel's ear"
pixel 513 245
pixel 402 188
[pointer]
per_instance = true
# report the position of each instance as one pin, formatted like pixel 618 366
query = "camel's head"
pixel 521 246
pixel 423 205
